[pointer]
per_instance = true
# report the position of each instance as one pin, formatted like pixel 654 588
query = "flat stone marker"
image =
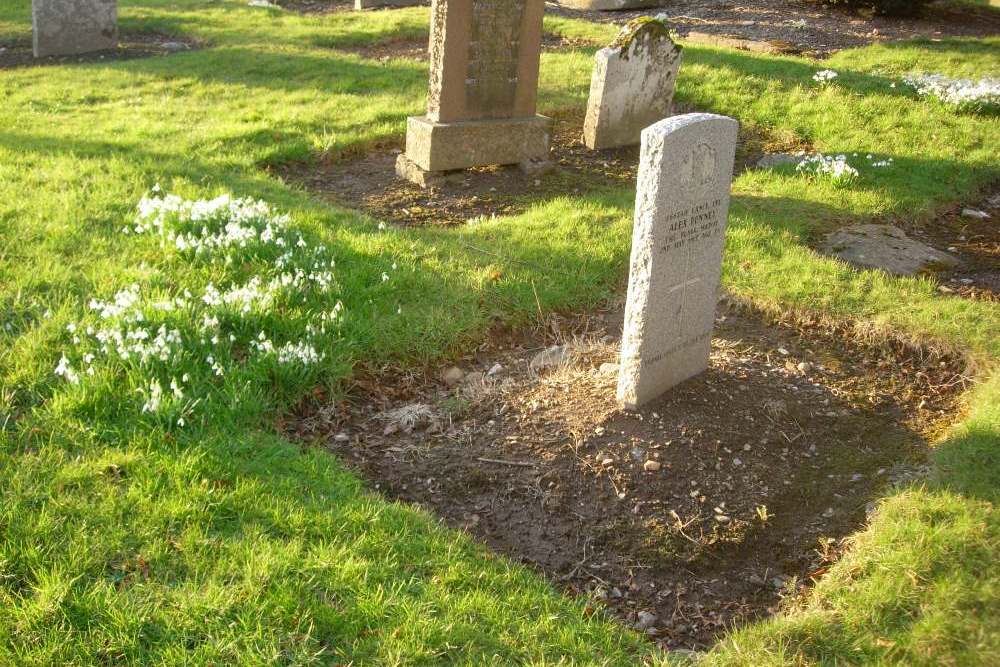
pixel 885 247
pixel 632 85
pixel 68 27
pixel 679 230
pixel 484 58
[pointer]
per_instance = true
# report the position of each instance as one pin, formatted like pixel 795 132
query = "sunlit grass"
pixel 125 538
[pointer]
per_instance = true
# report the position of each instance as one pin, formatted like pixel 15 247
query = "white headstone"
pixel 632 85
pixel 679 229
pixel 67 27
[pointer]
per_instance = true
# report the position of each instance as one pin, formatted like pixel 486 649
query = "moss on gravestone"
pixel 643 26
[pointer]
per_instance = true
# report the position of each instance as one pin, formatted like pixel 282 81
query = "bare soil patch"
pixel 806 27
pixel 366 179
pixel 18 53
pixel 699 512
pixel 976 242
pixel 316 6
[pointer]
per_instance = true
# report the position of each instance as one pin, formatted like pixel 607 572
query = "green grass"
pixel 125 538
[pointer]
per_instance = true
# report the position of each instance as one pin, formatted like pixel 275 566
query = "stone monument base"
pixel 608 5
pixel 439 147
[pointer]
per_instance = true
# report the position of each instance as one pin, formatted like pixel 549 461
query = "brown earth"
pixel 975 242
pixel 17 53
pixel 701 511
pixel 773 25
pixel 366 180
pixel 805 27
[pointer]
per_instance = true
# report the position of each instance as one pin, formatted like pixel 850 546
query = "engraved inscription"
pixel 661 356
pixel 491 82
pixel 699 222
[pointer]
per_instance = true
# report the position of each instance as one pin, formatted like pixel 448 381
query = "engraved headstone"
pixel 632 85
pixel 484 57
pixel 68 27
pixel 681 210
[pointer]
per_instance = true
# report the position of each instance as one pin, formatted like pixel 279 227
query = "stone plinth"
pixel 68 27
pixel 632 85
pixel 481 99
pixel 681 211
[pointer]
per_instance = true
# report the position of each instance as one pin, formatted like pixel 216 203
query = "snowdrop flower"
pixel 63 369
pixel 966 94
pixel 824 77
pixel 836 168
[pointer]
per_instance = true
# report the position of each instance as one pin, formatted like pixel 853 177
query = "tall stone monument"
pixel 632 85
pixel 484 58
pixel 681 210
pixel 68 27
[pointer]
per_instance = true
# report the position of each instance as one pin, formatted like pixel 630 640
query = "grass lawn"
pixel 139 523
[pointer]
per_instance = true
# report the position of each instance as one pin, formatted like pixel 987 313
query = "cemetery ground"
pixel 145 523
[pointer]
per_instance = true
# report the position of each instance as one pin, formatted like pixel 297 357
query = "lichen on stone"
pixel 638 27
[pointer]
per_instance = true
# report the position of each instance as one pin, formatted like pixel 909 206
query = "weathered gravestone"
pixel 67 27
pixel 681 209
pixel 632 84
pixel 483 84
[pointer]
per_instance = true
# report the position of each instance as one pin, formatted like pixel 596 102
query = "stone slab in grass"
pixel 885 247
pixel 67 27
pixel 632 85
pixel 681 211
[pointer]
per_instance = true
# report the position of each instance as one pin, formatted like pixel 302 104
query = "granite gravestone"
pixel 681 210
pixel 484 58
pixel 68 27
pixel 632 85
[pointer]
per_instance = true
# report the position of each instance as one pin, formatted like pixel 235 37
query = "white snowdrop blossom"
pixel 834 167
pixel 63 369
pixel 825 76
pixel 268 278
pixel 964 94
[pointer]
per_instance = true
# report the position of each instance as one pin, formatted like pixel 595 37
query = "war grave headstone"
pixel 484 57
pixel 632 85
pixel 681 211
pixel 68 27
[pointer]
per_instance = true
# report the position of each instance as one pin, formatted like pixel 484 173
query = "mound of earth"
pixel 700 511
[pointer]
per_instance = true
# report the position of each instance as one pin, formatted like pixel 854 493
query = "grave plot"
pixel 366 180
pixel 974 240
pixel 701 510
pixel 960 248
pixel 131 45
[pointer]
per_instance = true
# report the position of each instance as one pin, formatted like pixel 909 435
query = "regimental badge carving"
pixel 700 166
